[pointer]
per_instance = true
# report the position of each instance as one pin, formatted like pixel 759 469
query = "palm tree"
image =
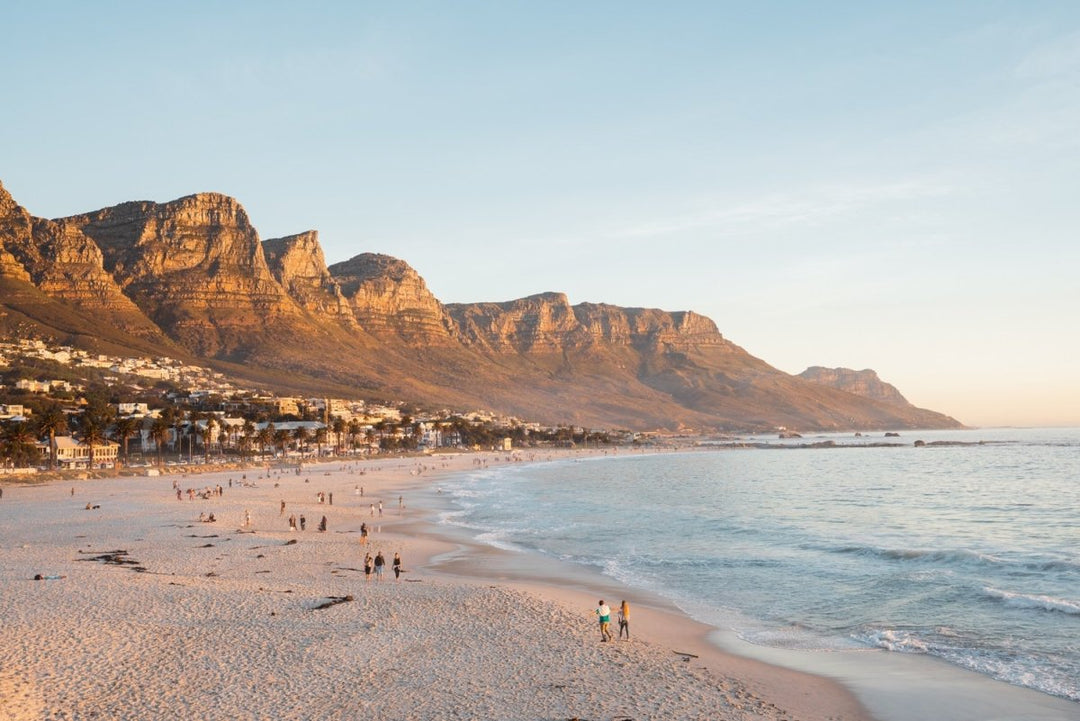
pixel 207 436
pixel 18 443
pixel 320 438
pixel 51 422
pixel 93 432
pixel 354 433
pixel 281 440
pixel 247 437
pixel 234 437
pixel 338 426
pixel 159 432
pixel 123 429
pixel 301 436
pixel 177 424
pixel 265 437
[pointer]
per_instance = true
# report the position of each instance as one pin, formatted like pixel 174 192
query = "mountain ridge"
pixel 192 276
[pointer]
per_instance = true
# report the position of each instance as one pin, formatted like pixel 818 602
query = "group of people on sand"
pixel 603 612
pixel 375 566
pixel 205 493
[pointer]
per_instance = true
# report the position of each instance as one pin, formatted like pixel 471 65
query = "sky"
pixel 848 184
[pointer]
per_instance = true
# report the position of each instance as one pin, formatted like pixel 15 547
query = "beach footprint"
pixel 20 698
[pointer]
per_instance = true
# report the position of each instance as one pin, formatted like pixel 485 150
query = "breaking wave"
pixel 1034 601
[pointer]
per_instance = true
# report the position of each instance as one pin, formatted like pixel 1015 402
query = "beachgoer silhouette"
pixel 624 619
pixel 397 566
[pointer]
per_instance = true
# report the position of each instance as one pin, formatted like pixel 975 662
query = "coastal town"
pixel 65 408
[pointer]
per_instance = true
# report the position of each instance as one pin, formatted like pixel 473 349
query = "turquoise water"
pixel 963 552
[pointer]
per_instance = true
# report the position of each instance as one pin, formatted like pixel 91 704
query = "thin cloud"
pixel 812 207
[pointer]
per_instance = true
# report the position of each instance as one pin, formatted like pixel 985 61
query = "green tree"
pixel 17 443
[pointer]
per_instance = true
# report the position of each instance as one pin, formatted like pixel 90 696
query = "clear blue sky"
pixel 862 184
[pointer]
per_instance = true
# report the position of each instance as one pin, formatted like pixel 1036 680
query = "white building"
pixel 70 453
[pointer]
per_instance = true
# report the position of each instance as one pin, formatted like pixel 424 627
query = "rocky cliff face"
pixel 191 275
pixel 194 265
pixel 389 298
pixel 864 383
pixel 15 237
pixel 297 263
pixel 547 323
pixel 62 262
pixel 543 323
pixel 648 327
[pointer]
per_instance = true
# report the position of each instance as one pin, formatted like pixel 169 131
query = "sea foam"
pixel 1033 601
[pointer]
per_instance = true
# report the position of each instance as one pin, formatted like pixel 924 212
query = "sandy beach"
pixel 146 612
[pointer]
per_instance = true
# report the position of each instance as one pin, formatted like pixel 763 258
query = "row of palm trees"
pixel 172 430
pixel 207 431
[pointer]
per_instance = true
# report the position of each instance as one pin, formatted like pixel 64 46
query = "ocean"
pixel 964 549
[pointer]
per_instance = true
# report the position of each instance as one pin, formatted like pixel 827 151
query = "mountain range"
pixel 191 279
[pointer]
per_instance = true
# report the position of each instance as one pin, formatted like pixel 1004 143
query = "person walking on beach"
pixel 397 566
pixel 379 563
pixel 603 612
pixel 369 566
pixel 624 619
pixel 303 522
pixel 363 534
